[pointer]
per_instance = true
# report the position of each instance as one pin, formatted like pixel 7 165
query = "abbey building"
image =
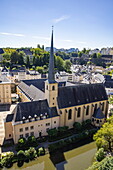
pixel 47 104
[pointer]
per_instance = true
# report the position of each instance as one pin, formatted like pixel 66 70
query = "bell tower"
pixel 51 86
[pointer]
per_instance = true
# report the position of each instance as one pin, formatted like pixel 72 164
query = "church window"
pixel 53 87
pixel 53 103
pixel 47 87
pixel 87 110
pixel 103 106
pixel 60 112
pixel 69 114
pixel 79 110
pixel 9 135
pixel 95 108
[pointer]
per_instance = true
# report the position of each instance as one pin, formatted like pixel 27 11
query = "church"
pixel 48 103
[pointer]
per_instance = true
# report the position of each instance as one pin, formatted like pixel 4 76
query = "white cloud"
pixel 82 42
pixel 44 38
pixel 67 40
pixel 11 34
pixel 64 17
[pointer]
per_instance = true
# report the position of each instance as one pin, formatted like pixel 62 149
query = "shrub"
pixel 86 123
pixel 100 155
pixel 7 160
pixel 21 155
pixel 41 151
pixel 31 141
pixel 21 144
pixel 63 129
pixel 31 153
pixel 77 126
pixel 52 132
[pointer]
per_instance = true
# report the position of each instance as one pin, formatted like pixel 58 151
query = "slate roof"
pixel 80 94
pixel 38 83
pixel 107 77
pixel 9 117
pixel 35 108
pixel 98 114
pixel 108 84
pixel 1 51
pixel 3 79
pixel 5 69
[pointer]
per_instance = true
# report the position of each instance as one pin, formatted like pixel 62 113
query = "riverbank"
pixel 79 158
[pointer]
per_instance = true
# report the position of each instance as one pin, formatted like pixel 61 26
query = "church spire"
pixel 51 76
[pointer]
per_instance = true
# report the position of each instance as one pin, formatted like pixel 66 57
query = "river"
pixel 76 159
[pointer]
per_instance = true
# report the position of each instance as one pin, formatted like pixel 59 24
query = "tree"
pixel 105 164
pixel 31 153
pixel 80 54
pixel 43 47
pixel 67 65
pixel 6 56
pixel 59 63
pixel 84 50
pixel 40 69
pixel 94 55
pixel 21 155
pixel 7 160
pixel 104 136
pixel 21 144
pixel 27 62
pixel 52 132
pixel 31 141
pixel 100 155
pixel 21 58
pixel 14 57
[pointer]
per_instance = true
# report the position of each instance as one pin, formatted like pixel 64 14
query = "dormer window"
pixel 29 117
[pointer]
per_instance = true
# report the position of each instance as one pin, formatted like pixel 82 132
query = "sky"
pixel 77 23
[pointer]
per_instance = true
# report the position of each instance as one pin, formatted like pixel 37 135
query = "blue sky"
pixel 77 23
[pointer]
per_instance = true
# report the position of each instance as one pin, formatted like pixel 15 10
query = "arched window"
pixel 69 114
pixel 95 108
pixel 60 112
pixel 53 87
pixel 78 113
pixel 47 87
pixel 87 110
pixel 103 106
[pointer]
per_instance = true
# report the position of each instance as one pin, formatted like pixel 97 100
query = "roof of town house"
pixel 5 69
pixel 108 84
pixel 80 94
pixel 29 110
pixel 1 51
